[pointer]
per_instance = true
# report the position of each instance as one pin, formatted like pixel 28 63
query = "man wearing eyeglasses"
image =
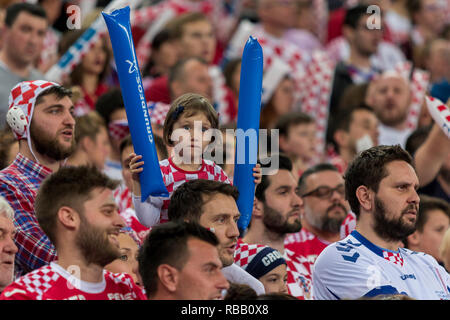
pixel 322 190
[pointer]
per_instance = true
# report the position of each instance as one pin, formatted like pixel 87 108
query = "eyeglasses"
pixel 325 192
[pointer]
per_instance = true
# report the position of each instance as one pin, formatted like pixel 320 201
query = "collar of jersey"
pixel 88 287
pixel 184 171
pixel 372 247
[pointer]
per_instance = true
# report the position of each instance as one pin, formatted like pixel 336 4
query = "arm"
pixel 148 212
pixel 431 155
pixel 35 249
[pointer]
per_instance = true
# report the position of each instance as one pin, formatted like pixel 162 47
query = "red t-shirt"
pixel 52 282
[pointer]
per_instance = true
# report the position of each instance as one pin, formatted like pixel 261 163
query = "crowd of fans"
pixel 363 170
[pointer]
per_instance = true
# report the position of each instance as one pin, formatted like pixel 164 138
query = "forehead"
pixel 6 223
pixel 362 115
pixel 396 82
pixel 195 26
pixel 27 18
pixel 283 178
pixel 100 197
pixel 400 171
pixel 193 115
pixel 324 178
pixel 52 99
pixel 219 204
pixel 201 252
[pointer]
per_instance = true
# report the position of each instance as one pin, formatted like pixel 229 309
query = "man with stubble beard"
pixel 41 117
pixel 381 187
pixel 322 190
pixel 276 213
pixel 76 209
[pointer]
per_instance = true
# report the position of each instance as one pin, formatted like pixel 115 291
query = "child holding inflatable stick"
pixel 187 128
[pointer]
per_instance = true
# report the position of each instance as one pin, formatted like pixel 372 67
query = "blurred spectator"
pixel 363 44
pixel 127 262
pixel 281 102
pixel 9 147
pixel 75 208
pixel 112 109
pixel 355 130
pixel 212 204
pixel 390 99
pixel 91 137
pixel 49 55
pixel 7 246
pixel 3 5
pixel 89 75
pixel 437 60
pixel 428 20
pixel 180 261
pixel 297 139
pixel 444 250
pixel 323 213
pixel 399 22
pixel 43 122
pixel 302 33
pixel 276 213
pixel 265 264
pixel 232 74
pixel 23 39
pixel 433 220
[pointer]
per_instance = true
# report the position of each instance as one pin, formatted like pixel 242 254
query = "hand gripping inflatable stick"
pixel 118 23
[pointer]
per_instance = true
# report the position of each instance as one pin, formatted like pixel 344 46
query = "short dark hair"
pixel 69 186
pixel 59 91
pixel 176 25
pixel 369 168
pixel 167 244
pixel 13 11
pixel 176 72
pixel 314 169
pixel 187 201
pixel 286 121
pixel 417 138
pixel 353 15
pixel 428 204
pixel 284 164
pixel 109 102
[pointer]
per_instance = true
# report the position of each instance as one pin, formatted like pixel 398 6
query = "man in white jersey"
pixel 380 185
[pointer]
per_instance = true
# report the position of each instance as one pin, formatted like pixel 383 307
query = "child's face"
pixel 301 141
pixel 275 280
pixel 188 135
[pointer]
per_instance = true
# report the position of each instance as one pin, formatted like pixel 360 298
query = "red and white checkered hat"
pixel 22 99
pixel 158 112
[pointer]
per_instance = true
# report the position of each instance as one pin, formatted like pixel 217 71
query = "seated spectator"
pixel 9 147
pixel 265 264
pixel 75 208
pixel 280 102
pixel 433 219
pixel 89 75
pixel 43 123
pixel 127 262
pixel 444 250
pixel 91 137
pixel 7 246
pixel 112 109
pixel 23 40
pixel 298 139
pixel 180 261
pixel 391 98
pixel 212 204
pixel 355 130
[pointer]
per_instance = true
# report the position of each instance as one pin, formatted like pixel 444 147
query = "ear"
pixel 258 208
pixel 341 137
pixel 68 217
pixel 348 32
pixel 365 198
pixel 283 143
pixel 168 276
pixel 414 239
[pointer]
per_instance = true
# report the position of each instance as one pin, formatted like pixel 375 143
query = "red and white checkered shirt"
pixel 173 177
pixel 52 282
pixel 19 184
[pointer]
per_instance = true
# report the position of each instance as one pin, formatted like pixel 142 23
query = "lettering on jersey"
pixel 76 297
pixel 14 291
pixel 347 247
pixel 408 276
pixel 271 257
pixel 119 296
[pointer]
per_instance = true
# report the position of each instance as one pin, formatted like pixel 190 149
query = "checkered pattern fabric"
pixel 19 184
pixel 245 253
pixel 440 114
pixel 393 257
pixel 118 129
pixel 52 282
pixel 21 105
pixel 158 112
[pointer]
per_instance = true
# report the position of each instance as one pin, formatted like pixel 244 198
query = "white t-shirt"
pixel 390 136
pixel 355 267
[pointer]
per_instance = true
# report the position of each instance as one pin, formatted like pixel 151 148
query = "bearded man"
pixel 41 117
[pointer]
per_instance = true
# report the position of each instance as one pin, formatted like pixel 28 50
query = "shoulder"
pixel 126 284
